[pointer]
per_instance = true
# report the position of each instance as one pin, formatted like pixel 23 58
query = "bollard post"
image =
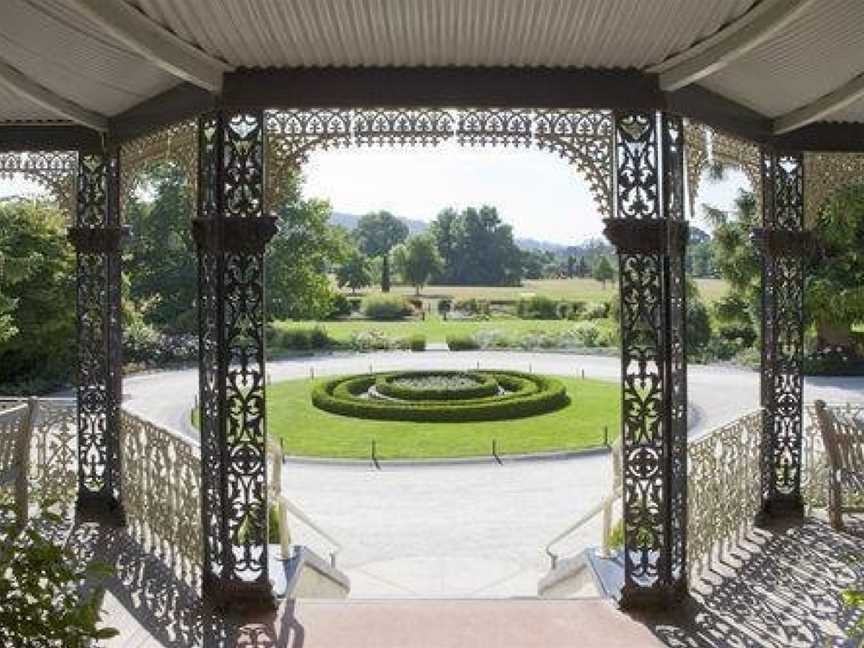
pixel 583 374
pixel 606 435
pixel 311 373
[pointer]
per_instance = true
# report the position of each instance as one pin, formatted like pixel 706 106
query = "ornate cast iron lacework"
pixel 175 144
pixel 231 232
pixel 783 331
pixel 99 338
pixel 705 145
pixel 723 488
pixel 162 490
pixel 582 137
pixel 52 170
pixel 826 173
pixel 650 236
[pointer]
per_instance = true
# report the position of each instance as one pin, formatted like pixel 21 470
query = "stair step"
pixel 307 575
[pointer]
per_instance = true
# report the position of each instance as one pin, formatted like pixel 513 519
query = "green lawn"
pixel 434 328
pixel 587 290
pixel 308 431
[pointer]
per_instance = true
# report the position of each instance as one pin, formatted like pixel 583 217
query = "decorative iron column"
pixel 231 232
pixel 784 245
pixel 650 234
pixel 97 236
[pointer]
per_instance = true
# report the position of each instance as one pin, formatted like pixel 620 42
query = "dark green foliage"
pixel 160 258
pixel 461 342
pixel 386 308
pixel 537 307
pixel 40 604
pixel 300 256
pixel 484 385
pixel 473 306
pixel 37 297
pixel 417 342
pixel 599 310
pixel 377 234
pixel 603 271
pixel 300 339
pixel 476 248
pixel 531 395
pixel 339 306
pixel 355 272
pixel 444 307
pixel 698 325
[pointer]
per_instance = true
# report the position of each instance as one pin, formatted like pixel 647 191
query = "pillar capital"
pixel 234 235
pixel 655 236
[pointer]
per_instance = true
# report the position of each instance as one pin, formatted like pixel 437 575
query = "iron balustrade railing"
pixel 723 493
pixel 723 485
pixel 53 448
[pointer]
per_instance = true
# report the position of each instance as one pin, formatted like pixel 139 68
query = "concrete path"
pixel 459 530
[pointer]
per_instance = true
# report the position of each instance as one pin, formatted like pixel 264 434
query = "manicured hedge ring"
pixel 524 395
pixel 467 385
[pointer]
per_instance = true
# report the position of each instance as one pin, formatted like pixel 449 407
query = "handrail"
pixel 605 507
pixel 285 506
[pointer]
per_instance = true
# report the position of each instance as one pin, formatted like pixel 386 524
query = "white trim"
pixel 155 43
pixel 25 87
pixel 822 107
pixel 730 43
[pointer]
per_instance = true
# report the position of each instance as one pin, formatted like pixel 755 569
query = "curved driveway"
pixel 459 530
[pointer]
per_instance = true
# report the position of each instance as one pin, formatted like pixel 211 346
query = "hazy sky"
pixel 538 193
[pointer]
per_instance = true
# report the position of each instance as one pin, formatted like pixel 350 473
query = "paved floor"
pixel 459 530
pixel 777 588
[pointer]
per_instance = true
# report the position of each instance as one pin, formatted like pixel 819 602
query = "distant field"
pixel 584 289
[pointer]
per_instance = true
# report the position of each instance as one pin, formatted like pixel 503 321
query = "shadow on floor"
pixel 148 603
pixel 779 588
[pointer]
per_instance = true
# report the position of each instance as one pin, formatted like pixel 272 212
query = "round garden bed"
pixel 441 396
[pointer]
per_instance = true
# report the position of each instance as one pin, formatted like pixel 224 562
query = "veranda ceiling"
pixel 793 62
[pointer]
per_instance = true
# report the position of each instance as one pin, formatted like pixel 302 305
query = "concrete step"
pixel 307 575
pixel 571 578
pixel 460 623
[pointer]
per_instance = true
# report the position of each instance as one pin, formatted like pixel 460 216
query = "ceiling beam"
pixel 729 44
pixel 45 137
pixel 822 107
pixel 23 86
pixel 155 43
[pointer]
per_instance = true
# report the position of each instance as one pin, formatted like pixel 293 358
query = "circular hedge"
pixel 523 395
pixel 437 385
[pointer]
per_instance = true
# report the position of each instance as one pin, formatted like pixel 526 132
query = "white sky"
pixel 537 192
pixel 540 194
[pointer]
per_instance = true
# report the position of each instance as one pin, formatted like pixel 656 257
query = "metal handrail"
pixel 605 507
pixel 285 506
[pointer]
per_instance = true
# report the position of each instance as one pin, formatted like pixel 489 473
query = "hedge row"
pixel 531 395
pixel 484 385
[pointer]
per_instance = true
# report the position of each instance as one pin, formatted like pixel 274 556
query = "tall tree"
pixel 477 248
pixel 37 293
pixel 160 258
pixel 421 261
pixel 355 271
pixel 377 233
pixel 603 271
pixel 300 256
pixel 835 286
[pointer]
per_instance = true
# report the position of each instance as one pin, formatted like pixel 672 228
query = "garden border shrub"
pixel 485 385
pixel 532 395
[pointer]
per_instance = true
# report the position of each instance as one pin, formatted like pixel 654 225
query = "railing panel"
pixel 723 487
pixel 53 449
pixel 162 487
pixel 814 479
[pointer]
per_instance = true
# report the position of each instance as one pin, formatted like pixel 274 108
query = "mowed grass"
pixel 434 328
pixel 588 290
pixel 309 432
